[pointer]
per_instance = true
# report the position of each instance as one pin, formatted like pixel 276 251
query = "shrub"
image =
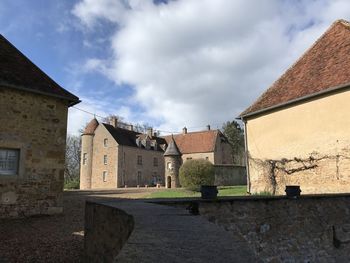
pixel 194 173
pixel 71 184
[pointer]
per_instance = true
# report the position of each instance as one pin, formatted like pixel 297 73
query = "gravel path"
pixel 54 238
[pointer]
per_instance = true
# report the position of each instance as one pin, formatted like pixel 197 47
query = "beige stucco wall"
pixel 309 145
pixel 128 165
pixel 220 155
pixel 209 155
pixel 36 125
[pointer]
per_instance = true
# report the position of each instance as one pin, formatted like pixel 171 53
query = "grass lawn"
pixel 238 190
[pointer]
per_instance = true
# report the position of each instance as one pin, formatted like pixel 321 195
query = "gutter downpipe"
pixel 246 154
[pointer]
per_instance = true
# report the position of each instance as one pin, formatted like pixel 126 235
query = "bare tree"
pixel 72 165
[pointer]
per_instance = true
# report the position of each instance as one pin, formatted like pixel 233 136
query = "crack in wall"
pixel 286 166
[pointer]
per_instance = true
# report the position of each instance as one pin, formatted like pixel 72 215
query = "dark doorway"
pixel 168 182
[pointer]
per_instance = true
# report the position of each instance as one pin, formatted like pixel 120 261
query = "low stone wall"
pixel 230 175
pixel 106 230
pixel 307 229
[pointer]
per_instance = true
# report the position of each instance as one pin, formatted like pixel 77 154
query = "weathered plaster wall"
pixel 106 231
pixel 206 156
pixel 36 125
pixel 230 175
pixel 307 145
pixel 98 166
pixel 278 229
pixel 128 165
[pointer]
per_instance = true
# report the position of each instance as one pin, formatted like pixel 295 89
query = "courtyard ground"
pixel 60 238
pixel 55 238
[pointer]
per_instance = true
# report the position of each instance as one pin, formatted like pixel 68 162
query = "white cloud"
pixel 197 62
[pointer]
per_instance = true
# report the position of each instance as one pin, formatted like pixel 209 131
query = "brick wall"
pixel 36 125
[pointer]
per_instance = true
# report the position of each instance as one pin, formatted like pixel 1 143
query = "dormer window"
pixel 148 144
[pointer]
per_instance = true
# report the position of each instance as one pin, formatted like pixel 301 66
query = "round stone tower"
pixel 87 139
pixel 172 159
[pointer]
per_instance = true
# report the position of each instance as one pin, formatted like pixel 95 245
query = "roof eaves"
pixel 70 99
pixel 281 105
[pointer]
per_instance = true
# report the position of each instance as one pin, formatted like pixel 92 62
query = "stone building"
pixel 116 157
pixel 297 132
pixel 32 136
pixel 173 162
pixel 211 145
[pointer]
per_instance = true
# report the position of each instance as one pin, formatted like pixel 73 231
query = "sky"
pixel 166 63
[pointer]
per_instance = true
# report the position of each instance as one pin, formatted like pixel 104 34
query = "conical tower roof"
pixel 91 127
pixel 172 149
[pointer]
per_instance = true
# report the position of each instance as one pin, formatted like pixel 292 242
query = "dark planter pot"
pixel 209 191
pixel 293 190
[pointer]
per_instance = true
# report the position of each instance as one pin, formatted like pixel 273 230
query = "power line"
pixel 95 115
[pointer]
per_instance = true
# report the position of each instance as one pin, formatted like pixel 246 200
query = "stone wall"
pixel 36 126
pixel 106 231
pixel 307 229
pixel 230 175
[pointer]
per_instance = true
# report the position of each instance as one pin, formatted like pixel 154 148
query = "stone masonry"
pixel 36 125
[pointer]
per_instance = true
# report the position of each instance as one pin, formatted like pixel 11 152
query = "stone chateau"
pixel 32 136
pixel 116 157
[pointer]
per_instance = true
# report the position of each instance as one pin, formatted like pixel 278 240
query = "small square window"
pixel 9 161
pixel 84 158
pixel 139 159
pixel 105 159
pixel 155 161
pixel 105 142
pixel 104 176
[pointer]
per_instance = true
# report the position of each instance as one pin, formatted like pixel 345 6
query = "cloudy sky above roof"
pixel 166 63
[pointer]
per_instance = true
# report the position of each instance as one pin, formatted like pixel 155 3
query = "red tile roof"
pixel 195 142
pixel 324 66
pixel 17 71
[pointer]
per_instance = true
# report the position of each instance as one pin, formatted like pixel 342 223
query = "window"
pixel 169 166
pixel 189 158
pixel 139 159
pixel 9 160
pixel 139 178
pixel 104 176
pixel 84 158
pixel 155 161
pixel 207 158
pixel 105 142
pixel 104 159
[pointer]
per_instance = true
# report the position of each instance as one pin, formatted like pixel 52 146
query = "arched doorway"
pixel 168 182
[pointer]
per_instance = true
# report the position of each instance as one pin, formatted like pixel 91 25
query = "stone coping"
pixel 241 198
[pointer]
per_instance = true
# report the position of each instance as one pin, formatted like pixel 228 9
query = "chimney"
pixel 208 127
pixel 131 127
pixel 113 121
pixel 184 130
pixel 150 132
pixel 155 134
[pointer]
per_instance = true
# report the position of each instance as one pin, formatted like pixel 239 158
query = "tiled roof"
pixel 195 142
pixel 17 71
pixel 324 66
pixel 127 137
pixel 91 127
